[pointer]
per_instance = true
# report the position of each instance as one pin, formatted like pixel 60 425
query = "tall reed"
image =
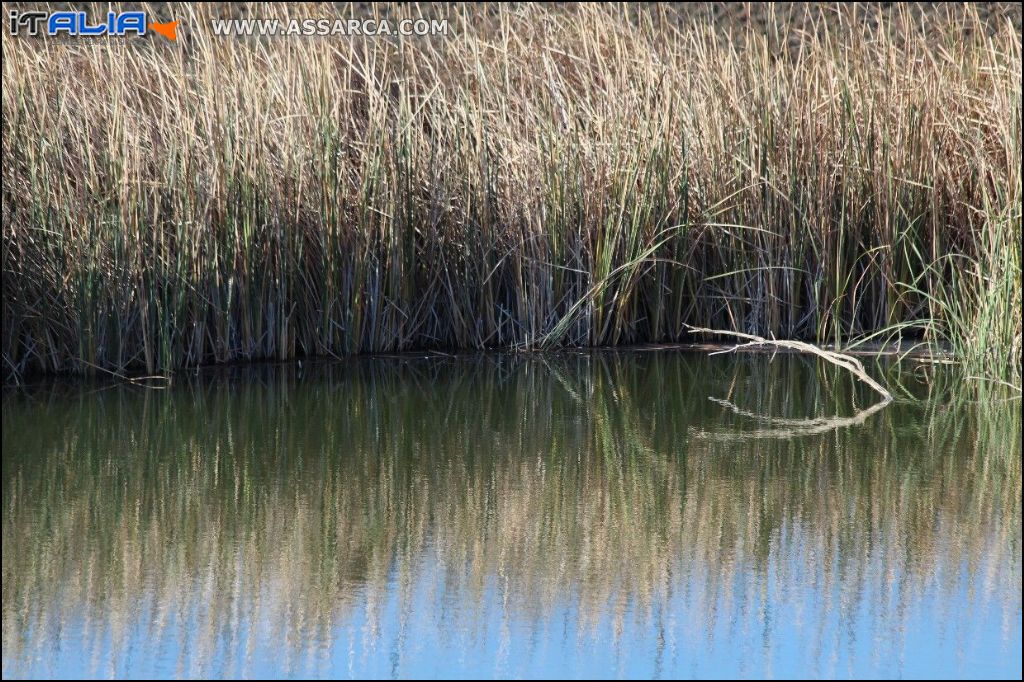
pixel 540 176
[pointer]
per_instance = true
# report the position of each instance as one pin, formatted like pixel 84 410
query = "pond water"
pixel 572 514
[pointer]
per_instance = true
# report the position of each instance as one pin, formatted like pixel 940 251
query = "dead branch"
pixel 847 362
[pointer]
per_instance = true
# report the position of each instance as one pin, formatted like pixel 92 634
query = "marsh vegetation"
pixel 541 177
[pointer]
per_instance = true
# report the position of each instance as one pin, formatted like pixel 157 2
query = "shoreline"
pixel 918 352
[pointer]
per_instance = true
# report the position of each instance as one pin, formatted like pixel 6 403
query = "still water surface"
pixel 565 515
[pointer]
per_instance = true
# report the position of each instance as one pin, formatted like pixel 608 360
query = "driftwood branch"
pixel 847 362
pixel 787 428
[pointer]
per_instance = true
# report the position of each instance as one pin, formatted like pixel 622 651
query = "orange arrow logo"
pixel 168 29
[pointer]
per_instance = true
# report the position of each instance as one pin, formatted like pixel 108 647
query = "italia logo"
pixel 79 24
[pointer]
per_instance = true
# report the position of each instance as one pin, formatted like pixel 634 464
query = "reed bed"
pixel 567 176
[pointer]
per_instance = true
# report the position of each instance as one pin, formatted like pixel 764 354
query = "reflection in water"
pixel 564 515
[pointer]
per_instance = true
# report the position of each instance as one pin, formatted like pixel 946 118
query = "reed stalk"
pixel 542 176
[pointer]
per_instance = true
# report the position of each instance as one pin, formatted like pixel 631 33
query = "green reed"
pixel 541 177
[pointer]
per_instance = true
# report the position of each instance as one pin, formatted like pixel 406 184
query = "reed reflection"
pixel 246 521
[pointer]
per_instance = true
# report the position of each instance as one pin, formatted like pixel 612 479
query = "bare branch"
pixel 847 362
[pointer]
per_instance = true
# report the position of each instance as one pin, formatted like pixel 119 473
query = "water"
pixel 563 515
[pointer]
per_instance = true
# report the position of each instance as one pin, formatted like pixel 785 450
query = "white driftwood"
pixel 789 428
pixel 847 362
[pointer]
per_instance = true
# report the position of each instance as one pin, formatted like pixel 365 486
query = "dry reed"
pixel 543 176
